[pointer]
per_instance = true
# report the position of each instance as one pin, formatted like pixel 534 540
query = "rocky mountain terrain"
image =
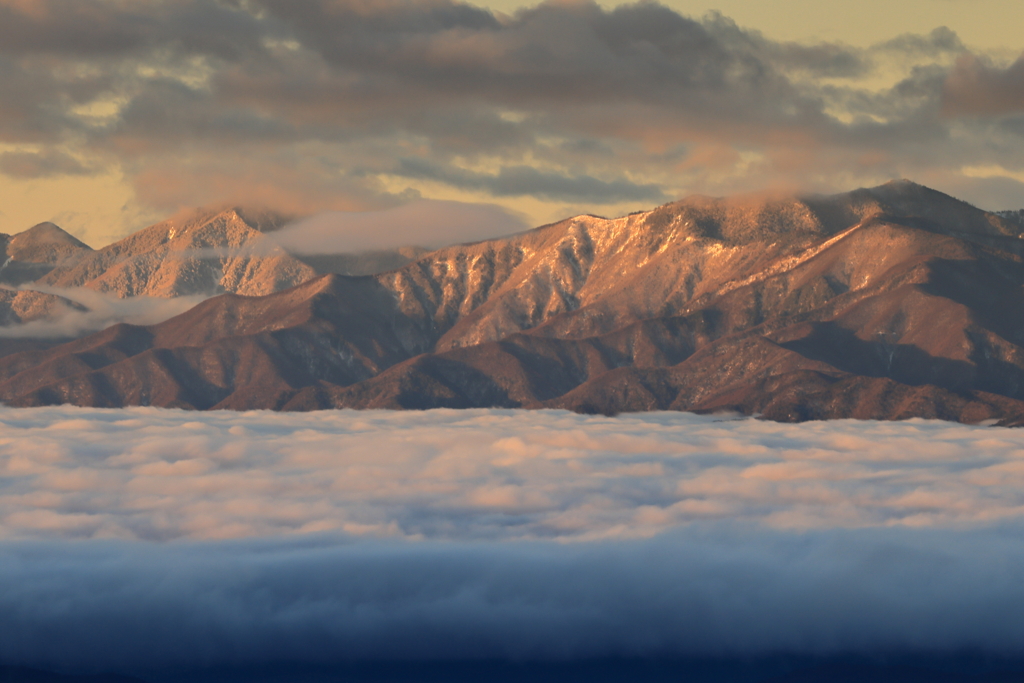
pixel 28 256
pixel 889 302
pixel 208 251
pixel 205 252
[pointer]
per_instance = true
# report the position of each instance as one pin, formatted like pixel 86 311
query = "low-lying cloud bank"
pixel 144 538
pixel 151 474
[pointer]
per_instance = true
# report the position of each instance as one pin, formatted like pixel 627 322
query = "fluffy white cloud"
pixel 153 474
pixel 147 540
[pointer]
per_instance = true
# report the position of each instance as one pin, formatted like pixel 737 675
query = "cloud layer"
pixel 144 540
pixel 487 474
pixel 351 105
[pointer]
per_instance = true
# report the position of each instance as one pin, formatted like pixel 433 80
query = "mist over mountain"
pixel 54 286
pixel 889 302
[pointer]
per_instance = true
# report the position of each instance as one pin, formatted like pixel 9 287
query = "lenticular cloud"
pixel 146 538
pixel 498 475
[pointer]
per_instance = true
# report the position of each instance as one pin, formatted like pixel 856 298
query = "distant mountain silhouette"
pixel 890 302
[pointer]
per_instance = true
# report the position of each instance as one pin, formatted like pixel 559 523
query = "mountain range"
pixel 889 302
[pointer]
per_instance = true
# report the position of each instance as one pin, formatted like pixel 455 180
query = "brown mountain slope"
pixel 206 252
pixel 333 328
pixel 883 301
pixel 886 302
pixel 32 254
pixel 28 256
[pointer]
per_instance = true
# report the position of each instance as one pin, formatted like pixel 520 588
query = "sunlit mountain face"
pixel 883 303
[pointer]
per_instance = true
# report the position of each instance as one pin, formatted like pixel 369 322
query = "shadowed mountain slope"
pixel 889 302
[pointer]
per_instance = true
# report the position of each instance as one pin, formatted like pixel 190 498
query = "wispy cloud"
pixel 97 311
pixel 421 223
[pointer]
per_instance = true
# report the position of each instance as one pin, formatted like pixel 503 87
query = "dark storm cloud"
pixel 83 27
pixel 824 59
pixel 710 591
pixel 168 111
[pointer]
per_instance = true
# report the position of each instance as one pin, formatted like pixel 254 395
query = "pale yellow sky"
pixel 96 209
pixel 985 24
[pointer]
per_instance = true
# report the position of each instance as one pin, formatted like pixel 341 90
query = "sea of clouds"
pixel 500 475
pixel 148 537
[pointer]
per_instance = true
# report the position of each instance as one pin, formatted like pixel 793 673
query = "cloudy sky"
pixel 115 113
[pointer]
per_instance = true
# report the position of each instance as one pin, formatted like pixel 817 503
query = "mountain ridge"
pixel 204 252
pixel 886 302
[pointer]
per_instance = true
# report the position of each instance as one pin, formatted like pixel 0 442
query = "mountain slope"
pixel 207 252
pixel 28 256
pixel 886 302
pixel 34 253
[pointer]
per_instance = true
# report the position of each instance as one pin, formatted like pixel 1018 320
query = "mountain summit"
pixel 889 302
